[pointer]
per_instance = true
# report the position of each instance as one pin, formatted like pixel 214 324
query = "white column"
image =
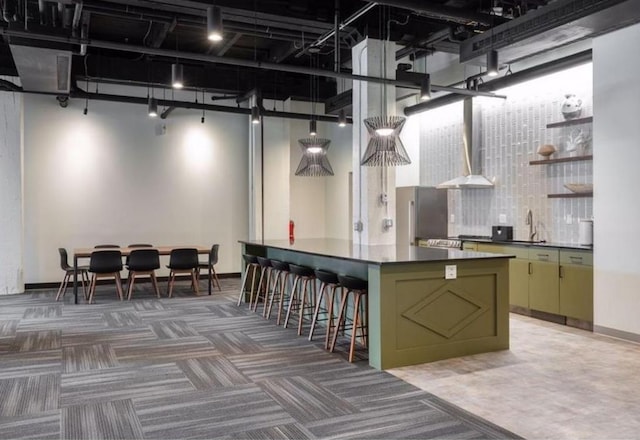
pixel 11 242
pixel 369 99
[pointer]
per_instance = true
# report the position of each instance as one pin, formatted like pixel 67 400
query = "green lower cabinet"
pixel 576 285
pixel 544 287
pixel 519 282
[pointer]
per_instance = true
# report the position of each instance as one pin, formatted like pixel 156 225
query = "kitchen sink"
pixel 525 241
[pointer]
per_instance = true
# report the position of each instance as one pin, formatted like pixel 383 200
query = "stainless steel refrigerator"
pixel 421 212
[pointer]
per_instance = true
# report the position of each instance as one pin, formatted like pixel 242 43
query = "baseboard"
pixel 618 334
pixel 203 278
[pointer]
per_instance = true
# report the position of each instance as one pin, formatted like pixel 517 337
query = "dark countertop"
pixel 379 254
pixel 529 244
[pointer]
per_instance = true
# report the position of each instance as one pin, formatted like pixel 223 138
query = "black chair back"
pixel 105 246
pixel 144 260
pixel 64 259
pixel 264 262
pixel 250 259
pixel 326 276
pixel 301 271
pixel 140 245
pixel 184 258
pixel 353 283
pixel 213 254
pixel 105 262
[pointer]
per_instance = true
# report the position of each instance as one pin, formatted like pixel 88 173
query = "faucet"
pixel 529 221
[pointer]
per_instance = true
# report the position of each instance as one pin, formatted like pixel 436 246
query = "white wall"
pixel 11 247
pixel 108 178
pixel 616 133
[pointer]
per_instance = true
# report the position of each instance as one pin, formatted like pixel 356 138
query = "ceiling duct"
pixel 43 70
pixel 470 136
pixel 556 24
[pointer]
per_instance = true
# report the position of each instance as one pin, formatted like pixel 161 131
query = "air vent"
pixel 64 62
pixel 42 70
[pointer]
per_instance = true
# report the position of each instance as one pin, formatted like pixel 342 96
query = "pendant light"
pixel 214 23
pixel 425 88
pixel 314 162
pixel 152 107
pixel 342 119
pixel 255 114
pixel 177 76
pixel 313 129
pixel 492 62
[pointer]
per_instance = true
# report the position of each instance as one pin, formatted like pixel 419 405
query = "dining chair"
pixel 213 260
pixel 103 264
pixel 183 261
pixel 68 273
pixel 142 262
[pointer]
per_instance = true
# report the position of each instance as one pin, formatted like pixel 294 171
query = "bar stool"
pixel 359 320
pixel 281 274
pixel 264 284
pixel 251 265
pixel 303 298
pixel 329 283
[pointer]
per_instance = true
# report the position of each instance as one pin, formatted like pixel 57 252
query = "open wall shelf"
pixel 569 195
pixel 570 122
pixel 560 159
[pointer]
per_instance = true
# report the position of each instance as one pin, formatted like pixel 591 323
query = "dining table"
pixel 80 253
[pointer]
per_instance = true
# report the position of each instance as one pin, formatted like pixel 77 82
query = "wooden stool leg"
pixel 316 310
pixel 245 275
pixel 196 288
pixel 172 278
pixel 330 324
pixel 354 327
pixel 131 280
pixel 282 294
pixel 119 285
pixel 267 310
pixel 63 285
pixel 305 285
pixel 292 299
pixel 341 317
pixel 92 288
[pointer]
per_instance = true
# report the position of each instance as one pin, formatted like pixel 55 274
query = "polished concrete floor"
pixel 555 382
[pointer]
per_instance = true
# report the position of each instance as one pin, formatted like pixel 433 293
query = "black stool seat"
pixel 250 259
pixel 326 277
pixel 264 262
pixel 280 265
pixel 352 283
pixel 301 271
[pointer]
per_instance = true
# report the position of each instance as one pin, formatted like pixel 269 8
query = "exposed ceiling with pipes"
pixel 264 44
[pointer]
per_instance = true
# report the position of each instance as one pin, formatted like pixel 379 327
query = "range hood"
pixel 468 179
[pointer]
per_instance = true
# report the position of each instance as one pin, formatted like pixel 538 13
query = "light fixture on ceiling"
pixel 314 162
pixel 313 129
pixel 342 119
pixel 492 62
pixel 255 114
pixel 425 88
pixel 177 76
pixel 214 23
pixel 385 150
pixel 152 107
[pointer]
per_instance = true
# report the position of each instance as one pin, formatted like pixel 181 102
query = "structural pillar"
pixel 374 206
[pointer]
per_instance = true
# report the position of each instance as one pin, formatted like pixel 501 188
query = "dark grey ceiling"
pixel 157 32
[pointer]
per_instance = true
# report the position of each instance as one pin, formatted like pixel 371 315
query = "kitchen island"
pixel 415 314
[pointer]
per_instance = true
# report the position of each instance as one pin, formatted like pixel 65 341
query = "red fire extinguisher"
pixel 292 237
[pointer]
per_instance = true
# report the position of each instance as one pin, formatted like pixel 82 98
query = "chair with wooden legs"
pixel 329 284
pixel 68 273
pixel 103 264
pixel 359 319
pixel 303 295
pixel 251 265
pixel 183 261
pixel 143 262
pixel 279 293
pixel 213 260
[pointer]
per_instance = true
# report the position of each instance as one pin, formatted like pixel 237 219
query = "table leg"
pixel 210 275
pixel 75 278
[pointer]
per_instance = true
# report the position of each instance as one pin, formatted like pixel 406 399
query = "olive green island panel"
pixel 415 314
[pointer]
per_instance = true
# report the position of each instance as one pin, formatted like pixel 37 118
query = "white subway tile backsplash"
pixel 511 132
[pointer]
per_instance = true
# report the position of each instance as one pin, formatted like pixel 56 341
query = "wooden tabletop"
pixel 162 250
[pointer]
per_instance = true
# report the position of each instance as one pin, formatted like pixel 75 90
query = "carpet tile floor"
pixel 193 367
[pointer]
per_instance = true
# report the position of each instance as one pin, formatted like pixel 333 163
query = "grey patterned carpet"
pixel 195 367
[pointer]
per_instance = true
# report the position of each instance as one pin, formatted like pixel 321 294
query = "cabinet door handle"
pixel 575 259
pixel 530 268
pixel 560 271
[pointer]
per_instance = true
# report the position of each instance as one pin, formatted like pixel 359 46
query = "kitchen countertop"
pixel 525 243
pixel 378 254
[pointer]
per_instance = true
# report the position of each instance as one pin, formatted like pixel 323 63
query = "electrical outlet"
pixel 387 223
pixel 450 272
pixel 384 198
pixel 502 219
pixel 452 218
pixel 357 226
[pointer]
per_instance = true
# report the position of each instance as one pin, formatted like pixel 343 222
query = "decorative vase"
pixel 546 150
pixel 571 106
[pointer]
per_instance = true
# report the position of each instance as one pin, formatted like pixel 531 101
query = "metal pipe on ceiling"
pixel 237 62
pixel 507 81
pixel 438 11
